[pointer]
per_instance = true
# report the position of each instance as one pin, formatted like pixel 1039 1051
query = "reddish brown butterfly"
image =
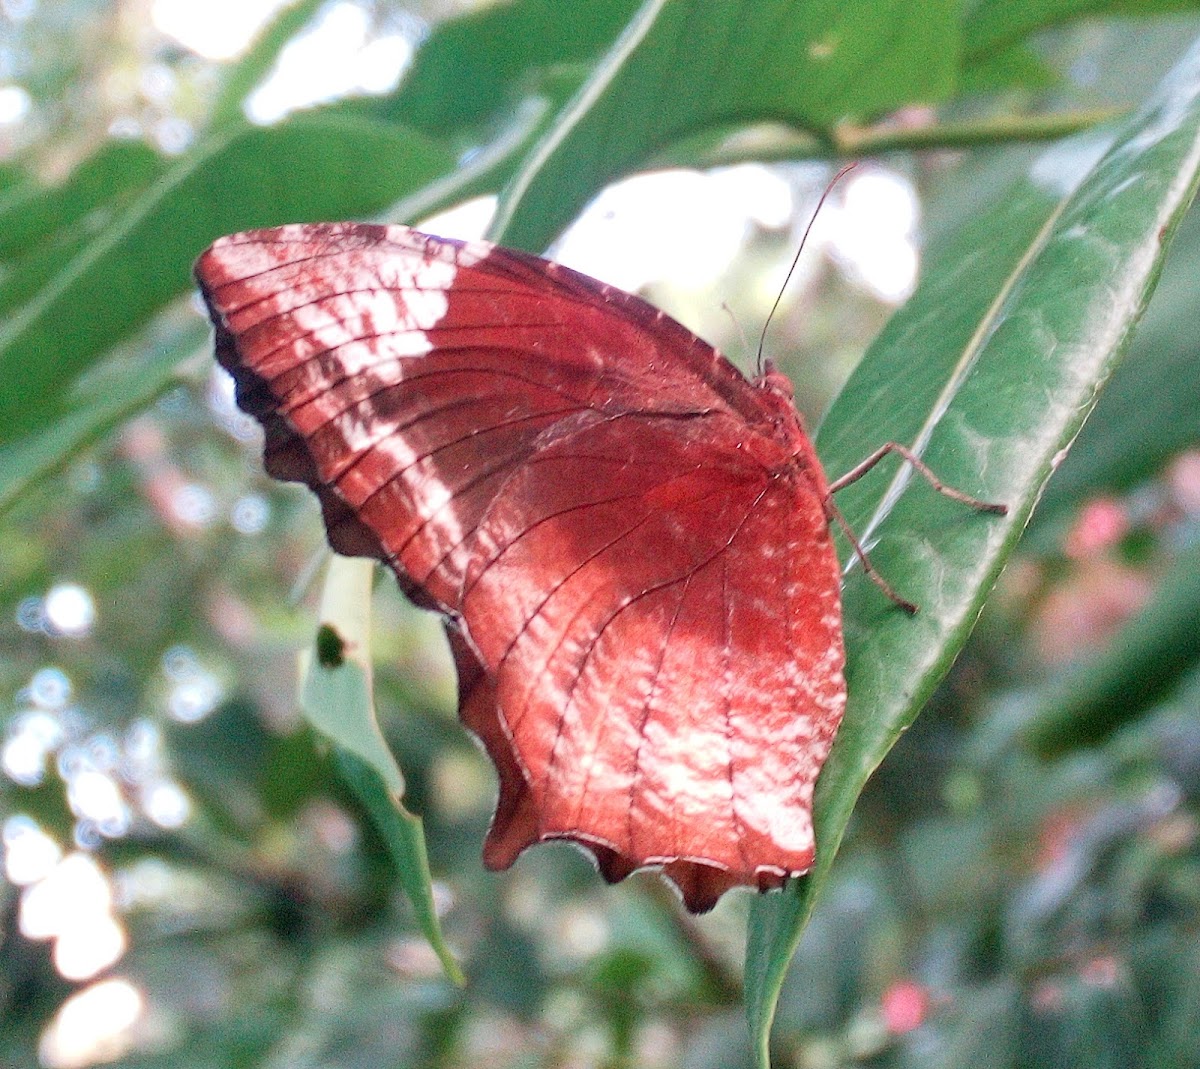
pixel 629 541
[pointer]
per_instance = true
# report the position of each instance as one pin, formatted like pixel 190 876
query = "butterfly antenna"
pixel 762 338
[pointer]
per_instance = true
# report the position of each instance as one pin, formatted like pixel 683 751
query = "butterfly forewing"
pixel 629 539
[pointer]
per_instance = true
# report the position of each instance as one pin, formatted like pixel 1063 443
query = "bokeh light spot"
pixel 29 853
pixel 93 1025
pixel 69 610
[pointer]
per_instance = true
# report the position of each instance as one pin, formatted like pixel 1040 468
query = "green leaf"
pixel 474 71
pixel 337 699
pixel 43 227
pixel 1143 662
pixel 810 64
pixel 998 24
pixel 1148 412
pixel 1007 68
pixel 988 373
pixel 32 215
pixel 310 168
pixel 109 395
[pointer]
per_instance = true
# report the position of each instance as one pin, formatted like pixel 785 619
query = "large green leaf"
pixel 988 372
pixel 684 66
pixel 1149 411
pixel 112 393
pixel 996 25
pixel 309 168
pixel 996 53
pixel 474 70
pixel 43 227
pixel 32 215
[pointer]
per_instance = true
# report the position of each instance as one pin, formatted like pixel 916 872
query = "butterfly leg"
pixel 859 470
pixel 868 568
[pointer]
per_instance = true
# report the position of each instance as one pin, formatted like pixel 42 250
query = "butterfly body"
pixel 628 540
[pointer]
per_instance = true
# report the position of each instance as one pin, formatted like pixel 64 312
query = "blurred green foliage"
pixel 1020 882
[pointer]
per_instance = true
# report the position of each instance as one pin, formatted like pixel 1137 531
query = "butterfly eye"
pixel 777 382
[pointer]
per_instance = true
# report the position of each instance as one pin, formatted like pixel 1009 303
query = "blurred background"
pixel 185 882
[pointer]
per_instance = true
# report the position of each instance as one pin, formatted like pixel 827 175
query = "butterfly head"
pixel 777 404
pixel 776 382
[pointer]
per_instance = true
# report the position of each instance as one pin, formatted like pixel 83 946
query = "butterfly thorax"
pixel 786 430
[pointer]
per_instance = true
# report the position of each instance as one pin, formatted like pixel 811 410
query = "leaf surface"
pixel 684 66
pixel 988 372
pixel 337 699
pixel 112 286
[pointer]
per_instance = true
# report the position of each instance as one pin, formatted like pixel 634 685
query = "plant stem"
pixel 766 144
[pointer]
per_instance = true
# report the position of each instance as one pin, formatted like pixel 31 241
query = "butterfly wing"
pixel 629 544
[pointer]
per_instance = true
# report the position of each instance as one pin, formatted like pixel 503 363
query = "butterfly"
pixel 627 539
